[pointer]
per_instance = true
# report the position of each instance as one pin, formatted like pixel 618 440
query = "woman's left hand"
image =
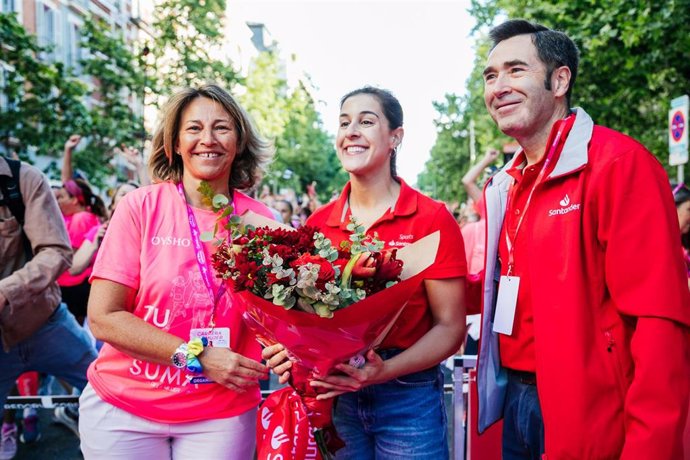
pixel 354 379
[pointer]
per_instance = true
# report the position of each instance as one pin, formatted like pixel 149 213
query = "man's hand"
pixel 277 360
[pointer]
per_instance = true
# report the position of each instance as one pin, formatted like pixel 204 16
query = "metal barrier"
pixel 458 389
pixel 41 402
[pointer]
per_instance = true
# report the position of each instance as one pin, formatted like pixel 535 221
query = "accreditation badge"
pixel 217 337
pixel 506 303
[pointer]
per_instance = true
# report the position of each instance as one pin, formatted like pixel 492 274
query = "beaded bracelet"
pixel 194 348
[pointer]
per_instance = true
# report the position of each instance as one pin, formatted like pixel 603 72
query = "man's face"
pixel 514 89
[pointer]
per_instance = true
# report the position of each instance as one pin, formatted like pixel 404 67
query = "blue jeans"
pixel 523 426
pixel 60 347
pixel 404 418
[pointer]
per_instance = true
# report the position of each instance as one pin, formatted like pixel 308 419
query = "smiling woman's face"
pixel 207 141
pixel 364 141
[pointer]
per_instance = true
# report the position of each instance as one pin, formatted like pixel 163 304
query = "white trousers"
pixel 110 433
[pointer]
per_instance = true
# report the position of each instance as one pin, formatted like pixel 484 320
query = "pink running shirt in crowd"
pixel 148 247
pixel 78 226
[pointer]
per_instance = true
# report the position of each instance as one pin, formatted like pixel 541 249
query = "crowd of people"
pixel 570 257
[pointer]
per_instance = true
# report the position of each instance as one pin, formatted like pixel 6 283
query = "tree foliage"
pixel 41 101
pixel 187 48
pixel 304 150
pixel 119 79
pixel 634 60
pixel 265 94
pixel 441 179
pixel 45 102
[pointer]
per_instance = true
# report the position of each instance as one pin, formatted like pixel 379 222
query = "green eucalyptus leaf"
pixel 220 200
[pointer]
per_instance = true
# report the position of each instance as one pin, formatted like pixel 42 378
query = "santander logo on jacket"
pixel 566 207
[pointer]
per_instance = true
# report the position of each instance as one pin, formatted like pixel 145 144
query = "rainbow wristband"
pixel 193 365
pixel 194 348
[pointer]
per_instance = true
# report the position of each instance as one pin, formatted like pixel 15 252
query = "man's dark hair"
pixel 554 48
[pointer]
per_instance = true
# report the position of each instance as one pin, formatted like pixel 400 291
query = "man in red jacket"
pixel 586 311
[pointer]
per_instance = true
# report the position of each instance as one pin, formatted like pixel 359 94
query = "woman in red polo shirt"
pixel 392 407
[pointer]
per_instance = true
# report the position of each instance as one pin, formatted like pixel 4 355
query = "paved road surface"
pixel 57 442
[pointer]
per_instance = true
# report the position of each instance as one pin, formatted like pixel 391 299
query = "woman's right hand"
pixel 231 369
pixel 72 142
pixel 490 156
pixel 277 359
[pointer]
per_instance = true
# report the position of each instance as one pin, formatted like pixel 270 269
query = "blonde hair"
pixel 253 151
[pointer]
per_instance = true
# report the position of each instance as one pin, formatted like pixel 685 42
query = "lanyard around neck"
pixel 201 257
pixel 511 193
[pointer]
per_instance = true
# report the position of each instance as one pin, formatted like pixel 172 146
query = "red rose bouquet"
pixel 325 304
pixel 298 268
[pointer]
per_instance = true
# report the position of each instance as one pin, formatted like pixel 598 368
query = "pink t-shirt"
pixel 148 247
pixel 78 226
pixel 474 235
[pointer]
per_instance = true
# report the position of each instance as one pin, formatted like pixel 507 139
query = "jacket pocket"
pixel 426 377
pixel 614 355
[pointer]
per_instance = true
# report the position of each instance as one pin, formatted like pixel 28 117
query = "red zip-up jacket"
pixel 610 300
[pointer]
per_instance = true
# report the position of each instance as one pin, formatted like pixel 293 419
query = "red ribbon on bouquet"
pixel 294 425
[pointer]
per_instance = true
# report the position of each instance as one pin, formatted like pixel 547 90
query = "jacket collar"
pixel 573 156
pixel 574 153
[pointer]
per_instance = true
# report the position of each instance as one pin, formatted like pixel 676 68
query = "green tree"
pixel 306 150
pixel 45 102
pixel 42 102
pixel 188 47
pixel 443 170
pixel 118 79
pixel 265 95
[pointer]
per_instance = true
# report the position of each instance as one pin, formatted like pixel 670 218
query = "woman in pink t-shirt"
pixel 178 374
pixel 83 212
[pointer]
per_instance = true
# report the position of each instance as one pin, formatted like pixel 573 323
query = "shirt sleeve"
pixel 656 405
pixel 638 227
pixel 119 257
pixel 450 258
pixel 82 223
pixel 45 229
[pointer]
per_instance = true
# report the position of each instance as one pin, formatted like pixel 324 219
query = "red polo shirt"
pixel 517 349
pixel 413 217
